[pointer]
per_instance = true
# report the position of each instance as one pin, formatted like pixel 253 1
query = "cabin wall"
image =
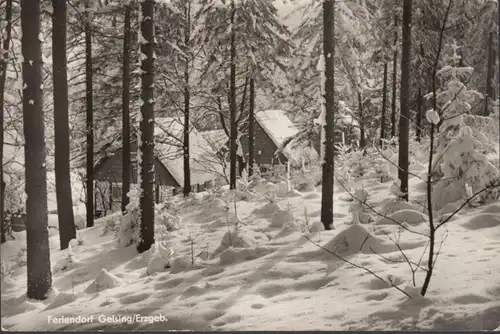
pixel 264 148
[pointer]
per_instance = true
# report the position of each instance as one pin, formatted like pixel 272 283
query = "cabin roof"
pixel 204 162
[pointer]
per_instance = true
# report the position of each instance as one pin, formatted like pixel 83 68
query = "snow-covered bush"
pixel 381 170
pixel 460 166
pixel 358 207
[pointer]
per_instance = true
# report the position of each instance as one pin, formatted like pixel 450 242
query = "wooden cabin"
pixel 168 162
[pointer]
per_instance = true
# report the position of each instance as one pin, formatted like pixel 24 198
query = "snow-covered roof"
pixel 168 148
pixel 216 138
pixel 279 127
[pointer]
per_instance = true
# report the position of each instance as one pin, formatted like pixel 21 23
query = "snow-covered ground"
pixel 275 276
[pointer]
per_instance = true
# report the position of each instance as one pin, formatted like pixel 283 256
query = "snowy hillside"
pixel 275 271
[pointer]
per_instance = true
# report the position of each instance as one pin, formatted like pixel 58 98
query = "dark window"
pixel 117 191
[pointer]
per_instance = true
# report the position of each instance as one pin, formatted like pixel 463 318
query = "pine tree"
pixel 146 163
pixel 126 108
pixel 4 56
pixel 67 230
pixel 37 237
pixel 89 102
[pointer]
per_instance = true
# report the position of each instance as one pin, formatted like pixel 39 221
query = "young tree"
pixel 329 107
pixel 37 237
pixel 384 105
pixel 89 99
pixel 187 101
pixel 490 90
pixel 67 230
pixel 404 129
pixel 146 154
pixel 232 102
pixel 251 122
pixel 394 78
pixel 4 57
pixel 126 108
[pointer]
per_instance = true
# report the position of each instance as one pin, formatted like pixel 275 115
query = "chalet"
pixel 169 166
pixel 272 128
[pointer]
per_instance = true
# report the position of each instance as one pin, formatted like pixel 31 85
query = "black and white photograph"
pixel 250 165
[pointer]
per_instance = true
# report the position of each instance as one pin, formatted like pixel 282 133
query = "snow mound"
pixel 412 217
pixel 394 206
pixel 316 227
pixel 105 280
pixel 280 218
pixel 282 189
pixel 160 258
pixel 449 208
pixel 492 208
pixel 233 239
pixel 180 264
pixel 236 255
pixel 267 210
pixel 312 195
pixel 80 222
pixel 217 205
pixel 483 220
pixel 356 239
pixel 61 299
pixel 68 262
pixel 293 193
pixel 287 229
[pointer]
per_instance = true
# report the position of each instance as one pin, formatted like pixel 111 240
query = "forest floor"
pixel 274 276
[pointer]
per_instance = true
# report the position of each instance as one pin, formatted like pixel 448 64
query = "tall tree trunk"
pixel 489 76
pixel 67 230
pixel 384 105
pixel 126 110
pixel 37 236
pixel 404 128
pixel 4 60
pixel 420 103
pixel 362 134
pixel 394 78
pixel 187 98
pixel 498 76
pixel 232 98
pixel 90 120
pixel 328 163
pixel 251 121
pixel 147 171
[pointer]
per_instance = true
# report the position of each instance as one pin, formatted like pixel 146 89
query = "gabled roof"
pixel 279 128
pixel 168 148
pixel 216 138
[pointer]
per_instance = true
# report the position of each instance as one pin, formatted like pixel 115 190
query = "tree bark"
pixel 362 134
pixel 187 101
pixel 405 99
pixel 384 106
pixel 67 230
pixel 4 60
pixel 489 76
pixel 328 163
pixel 126 110
pixel 37 236
pixel 498 76
pixel 90 119
pixel 418 123
pixel 232 97
pixel 147 129
pixel 251 121
pixel 394 78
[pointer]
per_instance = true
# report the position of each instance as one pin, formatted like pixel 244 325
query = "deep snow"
pixel 269 273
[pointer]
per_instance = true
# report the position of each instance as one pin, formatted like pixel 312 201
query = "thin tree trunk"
pixel 67 230
pixel 90 120
pixel 187 98
pixel 37 236
pixel 362 134
pixel 4 60
pixel 147 129
pixel 232 98
pixel 384 106
pixel 489 77
pixel 420 106
pixel 251 121
pixel 394 78
pixel 126 110
pixel 328 163
pixel 404 128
